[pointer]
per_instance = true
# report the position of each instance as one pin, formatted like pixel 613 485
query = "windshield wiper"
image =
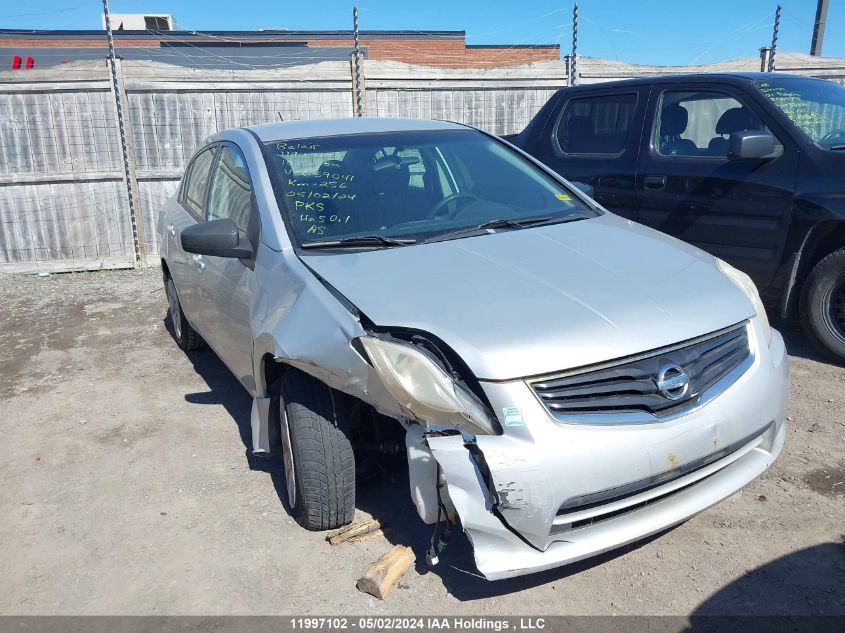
pixel 506 223
pixel 836 147
pixel 361 240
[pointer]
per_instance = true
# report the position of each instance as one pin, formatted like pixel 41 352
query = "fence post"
pixel 774 48
pixel 573 63
pixel 132 192
pixel 358 91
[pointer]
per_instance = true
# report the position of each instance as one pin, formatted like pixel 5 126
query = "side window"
pixel 197 182
pixel 231 189
pixel 693 123
pixel 595 125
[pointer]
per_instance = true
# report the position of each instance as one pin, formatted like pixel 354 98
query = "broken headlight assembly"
pixel 422 387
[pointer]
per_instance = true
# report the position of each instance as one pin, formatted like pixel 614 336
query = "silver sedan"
pixel 563 381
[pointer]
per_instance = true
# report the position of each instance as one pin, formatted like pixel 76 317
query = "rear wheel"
pixel 186 337
pixel 823 305
pixel 317 449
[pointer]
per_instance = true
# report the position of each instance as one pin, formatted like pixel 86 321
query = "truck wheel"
pixel 322 496
pixel 823 305
pixel 186 337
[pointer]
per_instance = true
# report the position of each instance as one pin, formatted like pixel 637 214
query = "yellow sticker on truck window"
pixel 563 196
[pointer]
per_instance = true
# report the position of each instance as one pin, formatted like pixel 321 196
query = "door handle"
pixel 654 182
pixel 198 262
pixel 172 229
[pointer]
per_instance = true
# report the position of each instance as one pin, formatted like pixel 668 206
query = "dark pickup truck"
pixel 750 167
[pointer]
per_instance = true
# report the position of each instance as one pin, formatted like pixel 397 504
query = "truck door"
pixel 686 186
pixel 592 136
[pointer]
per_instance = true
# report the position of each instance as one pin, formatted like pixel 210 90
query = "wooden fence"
pixel 63 198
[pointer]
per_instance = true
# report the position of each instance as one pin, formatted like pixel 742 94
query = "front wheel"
pixel 823 305
pixel 321 492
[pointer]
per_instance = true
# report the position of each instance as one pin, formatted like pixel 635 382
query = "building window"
pixel 156 23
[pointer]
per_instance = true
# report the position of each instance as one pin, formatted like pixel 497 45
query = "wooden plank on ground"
pixel 352 530
pixel 386 572
pixel 366 536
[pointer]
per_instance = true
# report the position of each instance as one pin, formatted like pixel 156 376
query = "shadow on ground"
pixel 797 343
pixel 809 582
pixel 224 389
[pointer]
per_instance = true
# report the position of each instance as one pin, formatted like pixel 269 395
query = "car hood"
pixel 544 299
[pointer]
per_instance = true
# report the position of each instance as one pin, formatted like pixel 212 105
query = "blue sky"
pixel 641 31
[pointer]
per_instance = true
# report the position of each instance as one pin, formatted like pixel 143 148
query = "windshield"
pixel 397 188
pixel 816 107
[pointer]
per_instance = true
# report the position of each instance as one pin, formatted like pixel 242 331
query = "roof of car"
pixel 313 128
pixel 690 77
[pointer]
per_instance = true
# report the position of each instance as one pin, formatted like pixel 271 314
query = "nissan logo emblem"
pixel 672 382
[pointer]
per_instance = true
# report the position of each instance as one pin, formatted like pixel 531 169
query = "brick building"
pixel 263 49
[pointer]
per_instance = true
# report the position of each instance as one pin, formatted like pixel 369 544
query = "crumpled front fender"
pixel 302 324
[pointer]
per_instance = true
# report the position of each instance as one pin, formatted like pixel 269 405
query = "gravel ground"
pixel 129 489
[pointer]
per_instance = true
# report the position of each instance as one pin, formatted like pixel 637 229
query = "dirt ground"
pixel 127 488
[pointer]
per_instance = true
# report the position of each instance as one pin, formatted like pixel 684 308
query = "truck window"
pixel 693 123
pixel 595 125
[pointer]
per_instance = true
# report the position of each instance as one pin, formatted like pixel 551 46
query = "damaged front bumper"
pixel 547 493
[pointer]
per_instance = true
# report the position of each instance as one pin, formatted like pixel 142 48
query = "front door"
pixel 738 210
pixel 227 284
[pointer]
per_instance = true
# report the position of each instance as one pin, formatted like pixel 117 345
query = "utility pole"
pixel 764 59
pixel 818 28
pixel 132 195
pixel 573 56
pixel 774 48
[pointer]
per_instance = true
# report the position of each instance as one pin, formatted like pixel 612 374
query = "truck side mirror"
pixel 583 187
pixel 750 145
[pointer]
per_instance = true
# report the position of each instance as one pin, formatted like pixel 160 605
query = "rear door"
pixel 593 137
pixel 738 210
pixel 225 307
pixel 184 267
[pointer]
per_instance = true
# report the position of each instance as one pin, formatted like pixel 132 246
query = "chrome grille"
pixel 632 384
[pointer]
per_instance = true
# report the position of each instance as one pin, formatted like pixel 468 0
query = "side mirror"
pixel 751 145
pixel 583 187
pixel 218 238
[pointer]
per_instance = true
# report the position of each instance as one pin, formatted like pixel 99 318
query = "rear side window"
pixel 197 182
pixel 595 125
pixel 698 123
pixel 231 189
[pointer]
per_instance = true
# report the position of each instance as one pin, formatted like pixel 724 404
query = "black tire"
pixel 185 336
pixel 823 305
pixel 324 463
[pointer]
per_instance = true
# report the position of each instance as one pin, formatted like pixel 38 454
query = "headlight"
pixel 747 286
pixel 425 390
